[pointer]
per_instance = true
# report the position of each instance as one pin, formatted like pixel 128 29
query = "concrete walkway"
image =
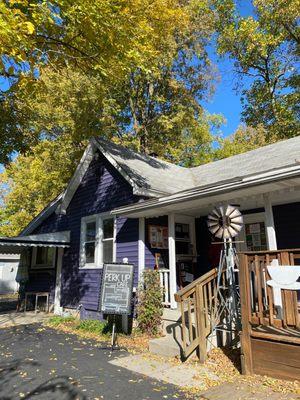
pixel 194 378
pixel 179 374
pixel 10 319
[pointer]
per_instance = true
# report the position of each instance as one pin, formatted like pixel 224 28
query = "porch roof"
pixel 9 245
pixel 283 182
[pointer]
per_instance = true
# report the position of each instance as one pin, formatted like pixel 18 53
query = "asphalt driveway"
pixel 41 363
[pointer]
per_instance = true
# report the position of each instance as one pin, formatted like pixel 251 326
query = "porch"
pixel 187 250
pixel 39 268
pixel 270 335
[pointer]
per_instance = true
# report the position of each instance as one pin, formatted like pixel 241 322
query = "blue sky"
pixel 226 100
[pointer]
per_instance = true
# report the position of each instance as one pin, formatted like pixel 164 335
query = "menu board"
pixel 158 237
pixel 116 289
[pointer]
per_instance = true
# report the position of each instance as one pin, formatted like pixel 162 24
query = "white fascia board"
pixel 149 192
pixel 82 168
pixel 76 178
pixel 115 164
pixel 209 191
pixel 136 188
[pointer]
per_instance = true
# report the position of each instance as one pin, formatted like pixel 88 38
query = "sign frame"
pixel 103 287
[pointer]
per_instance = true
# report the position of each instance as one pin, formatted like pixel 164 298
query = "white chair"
pixel 284 277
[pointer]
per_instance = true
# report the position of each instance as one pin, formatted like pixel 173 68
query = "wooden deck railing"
pixel 262 322
pixel 198 303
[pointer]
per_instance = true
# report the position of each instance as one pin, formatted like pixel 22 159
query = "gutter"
pixel 211 190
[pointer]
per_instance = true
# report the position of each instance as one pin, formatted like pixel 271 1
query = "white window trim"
pixel 98 218
pixel 34 265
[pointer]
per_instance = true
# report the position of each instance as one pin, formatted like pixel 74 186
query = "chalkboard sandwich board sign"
pixel 116 289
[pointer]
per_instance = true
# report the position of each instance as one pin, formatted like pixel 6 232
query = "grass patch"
pixel 57 320
pixel 93 326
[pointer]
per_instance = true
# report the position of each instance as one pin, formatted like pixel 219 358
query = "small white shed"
pixel 8 270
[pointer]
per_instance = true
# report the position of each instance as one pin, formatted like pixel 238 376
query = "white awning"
pixel 56 239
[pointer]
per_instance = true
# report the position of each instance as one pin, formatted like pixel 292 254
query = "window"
pixel 108 240
pixel 253 234
pixel 90 242
pixel 256 236
pixel 43 257
pixel 97 241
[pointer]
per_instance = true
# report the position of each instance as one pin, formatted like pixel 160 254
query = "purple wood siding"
pixel 149 251
pixel 127 242
pixel 287 226
pixel 101 190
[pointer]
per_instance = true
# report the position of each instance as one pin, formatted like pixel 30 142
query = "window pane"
pixel 89 252
pixel 108 228
pixel 108 251
pixel 44 256
pixel 41 256
pixel 50 255
pixel 90 234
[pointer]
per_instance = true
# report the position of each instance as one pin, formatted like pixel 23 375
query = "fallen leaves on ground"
pixel 135 343
pixel 223 364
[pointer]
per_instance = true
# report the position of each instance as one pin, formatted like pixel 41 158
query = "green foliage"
pixel 93 326
pixel 32 180
pixel 56 320
pixel 245 138
pixel 150 308
pixel 134 72
pixel 265 49
pixel 81 63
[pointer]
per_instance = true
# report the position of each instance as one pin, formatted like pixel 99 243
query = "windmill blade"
pixel 216 213
pixel 211 224
pixel 219 233
pixel 222 211
pixel 235 213
pixel 230 210
pixel 213 218
pixel 233 232
pixel 237 220
pixel 236 227
pixel 214 229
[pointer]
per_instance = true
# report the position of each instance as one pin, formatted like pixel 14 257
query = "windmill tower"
pixel 225 222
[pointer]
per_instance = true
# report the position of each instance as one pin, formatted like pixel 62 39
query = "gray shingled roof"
pixel 149 172
pixel 154 174
pixel 264 159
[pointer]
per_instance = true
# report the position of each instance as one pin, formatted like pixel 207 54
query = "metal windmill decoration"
pixel 225 222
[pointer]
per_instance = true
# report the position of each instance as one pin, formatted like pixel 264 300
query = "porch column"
pixel 172 259
pixel 57 296
pixel 141 247
pixel 269 222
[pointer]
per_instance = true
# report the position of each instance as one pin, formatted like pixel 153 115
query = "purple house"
pixel 121 204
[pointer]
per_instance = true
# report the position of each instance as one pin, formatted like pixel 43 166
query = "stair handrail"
pixel 196 301
pixel 202 280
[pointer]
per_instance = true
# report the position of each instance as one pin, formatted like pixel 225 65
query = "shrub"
pixel 149 306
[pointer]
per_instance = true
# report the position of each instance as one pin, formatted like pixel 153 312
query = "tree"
pixel 106 40
pixel 245 138
pixel 152 109
pixel 32 180
pixel 265 49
